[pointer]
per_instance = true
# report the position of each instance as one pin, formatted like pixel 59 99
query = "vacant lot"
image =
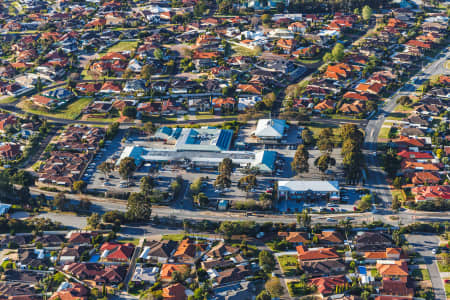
pixel 70 112
pixel 123 46
pixel 288 264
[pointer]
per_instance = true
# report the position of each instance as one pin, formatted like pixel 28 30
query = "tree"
pixel 391 162
pixel 338 52
pixel 274 287
pixel 196 186
pixel 266 19
pixel 404 100
pixel 300 162
pixel 247 183
pixel 324 161
pixel 105 167
pixel 226 167
pixel 146 72
pixel 264 295
pixel 327 57
pixel 149 128
pixel 94 220
pixel 201 199
pixel 222 181
pixel 130 111
pixel 147 184
pixel 79 186
pixel 325 144
pixel 60 201
pixel 269 100
pixel 158 53
pixel 266 261
pixel 127 167
pixel 366 13
pixel 39 85
pixel 365 203
pixel 139 207
pixel 326 133
pixel 307 136
pixel 304 219
pixel 85 203
pixel 395 203
pixel 397 182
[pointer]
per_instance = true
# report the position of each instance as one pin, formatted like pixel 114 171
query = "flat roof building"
pixel 263 160
pixel 308 190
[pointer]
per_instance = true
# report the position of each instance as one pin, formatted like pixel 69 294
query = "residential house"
pixel 426 178
pixel 388 254
pixel 223 104
pixel 115 252
pixel 174 292
pixel 71 291
pixel 393 270
pixel 356 107
pixel 323 268
pixel 186 252
pixel 404 143
pixel 330 237
pixel 315 254
pixel 395 288
pixel 295 238
pixel 325 105
pixel 70 254
pixel 327 285
pixel 158 251
pixel 168 269
pixel 431 193
pixel 9 151
pixel 235 274
pixel 372 241
pixel 221 250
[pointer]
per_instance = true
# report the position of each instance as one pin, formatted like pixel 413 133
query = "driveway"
pixel 423 244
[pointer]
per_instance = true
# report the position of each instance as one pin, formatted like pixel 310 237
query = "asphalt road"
pixel 424 243
pixel 376 177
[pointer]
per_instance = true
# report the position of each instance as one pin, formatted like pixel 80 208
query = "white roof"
pixel 270 128
pixel 303 186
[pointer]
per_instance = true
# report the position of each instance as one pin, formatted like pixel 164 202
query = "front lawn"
pixel 447 289
pixel 443 267
pixel 288 264
pixel 421 274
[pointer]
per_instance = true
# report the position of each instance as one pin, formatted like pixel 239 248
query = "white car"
pixel 433 251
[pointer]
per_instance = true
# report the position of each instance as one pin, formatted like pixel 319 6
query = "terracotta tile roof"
pixel 421 178
pixel 174 292
pixel 356 96
pixel 415 155
pixel 75 292
pixel 412 165
pixel 168 269
pixel 330 237
pixel 397 268
pixel 325 104
pixel 408 142
pixel 431 192
pixel 316 254
pixel 327 285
